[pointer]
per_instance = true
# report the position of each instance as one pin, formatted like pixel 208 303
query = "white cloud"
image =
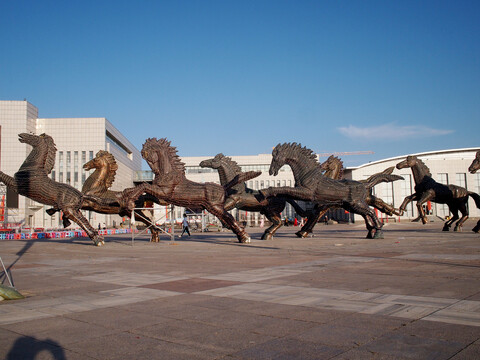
pixel 391 132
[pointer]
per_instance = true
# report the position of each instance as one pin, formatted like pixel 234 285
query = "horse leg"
pixel 426 196
pixel 405 202
pixel 274 217
pixel 312 220
pixel 374 226
pixel 449 222
pixel 77 217
pixel 476 228
pixel 463 209
pixel 226 218
pixel 383 206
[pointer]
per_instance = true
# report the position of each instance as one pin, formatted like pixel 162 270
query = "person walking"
pixel 185 226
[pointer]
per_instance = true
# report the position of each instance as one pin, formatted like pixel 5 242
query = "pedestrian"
pixel 185 226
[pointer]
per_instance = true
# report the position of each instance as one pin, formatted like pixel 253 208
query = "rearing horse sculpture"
pixel 427 189
pixel 311 185
pixel 171 185
pixel 32 181
pixel 473 169
pixel 99 183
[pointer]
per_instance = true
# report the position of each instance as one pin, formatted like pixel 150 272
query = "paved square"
pixel 413 295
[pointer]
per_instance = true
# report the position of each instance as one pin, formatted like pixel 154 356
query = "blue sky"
pixel 238 77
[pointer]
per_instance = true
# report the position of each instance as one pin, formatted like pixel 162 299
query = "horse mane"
pixel 163 145
pixel 49 157
pixel 232 164
pixel 290 149
pixel 112 167
pixel 425 167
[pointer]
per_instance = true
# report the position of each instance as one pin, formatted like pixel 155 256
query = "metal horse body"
pixel 333 169
pixel 32 181
pixel 99 183
pixel 311 185
pixel 244 198
pixel 427 189
pixel 171 185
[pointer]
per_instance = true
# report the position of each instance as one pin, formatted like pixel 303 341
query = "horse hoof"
pixel 446 228
pixel 267 236
pixel 301 234
pixel 458 228
pixel 99 243
pixel 378 235
pixel 245 240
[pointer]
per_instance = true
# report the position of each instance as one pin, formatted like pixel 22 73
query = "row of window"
pixel 65 174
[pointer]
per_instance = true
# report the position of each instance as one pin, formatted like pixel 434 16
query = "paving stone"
pixel 289 349
pixel 413 347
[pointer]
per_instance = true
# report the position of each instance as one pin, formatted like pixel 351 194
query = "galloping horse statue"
pixel 32 181
pixel 311 185
pixel 171 185
pixel 99 183
pixel 333 168
pixel 427 189
pixel 473 169
pixel 244 198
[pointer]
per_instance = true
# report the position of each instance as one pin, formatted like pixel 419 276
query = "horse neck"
pixel 334 173
pixel 96 181
pixel 36 159
pixel 299 169
pixel 227 173
pixel 420 171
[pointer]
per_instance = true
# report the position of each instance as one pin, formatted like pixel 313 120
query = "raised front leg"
pixel 405 202
pixel 383 206
pixel 299 193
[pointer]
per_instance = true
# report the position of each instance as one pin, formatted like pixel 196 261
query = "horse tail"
pixel 8 180
pixel 475 197
pixel 241 178
pixel 384 176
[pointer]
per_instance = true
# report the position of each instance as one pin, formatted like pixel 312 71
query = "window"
pixel 442 209
pixel 461 180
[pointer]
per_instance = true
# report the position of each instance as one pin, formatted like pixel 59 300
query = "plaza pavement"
pixel 413 295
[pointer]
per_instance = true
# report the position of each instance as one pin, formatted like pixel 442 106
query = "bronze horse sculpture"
pixel 473 169
pixel 311 185
pixel 171 185
pixel 244 198
pixel 333 168
pixel 32 181
pixel 99 183
pixel 427 189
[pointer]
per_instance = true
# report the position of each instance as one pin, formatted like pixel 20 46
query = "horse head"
pixel 213 163
pixel 105 168
pixel 162 157
pixel 43 153
pixel 409 162
pixel 333 167
pixel 475 164
pixel 278 159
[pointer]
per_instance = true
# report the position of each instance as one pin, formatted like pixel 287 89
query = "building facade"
pixel 77 141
